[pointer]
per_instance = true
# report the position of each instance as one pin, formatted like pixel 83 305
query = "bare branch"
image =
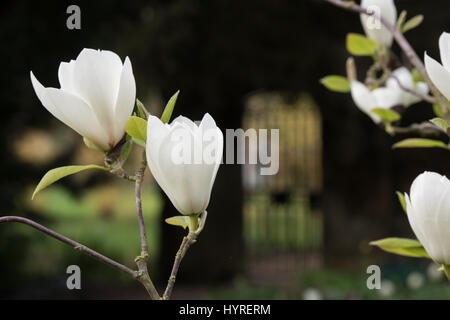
pixel 70 242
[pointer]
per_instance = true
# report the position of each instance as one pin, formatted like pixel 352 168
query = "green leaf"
pixel 417 77
pixel 438 110
pixel 441 123
pixel 360 45
pixel 386 115
pixel 179 221
pixel 139 142
pixel 401 20
pixel 61 172
pixel 446 269
pixel 419 143
pixel 126 149
pixel 401 199
pixel 336 83
pixel 167 113
pixel 137 128
pixel 412 23
pixel 141 111
pixel 402 246
pixel 92 146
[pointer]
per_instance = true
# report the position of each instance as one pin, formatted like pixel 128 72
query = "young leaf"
pixel 401 199
pixel 438 110
pixel 336 83
pixel 167 113
pixel 92 146
pixel 126 150
pixel 402 246
pixel 360 45
pixel 446 270
pixel 417 77
pixel 137 128
pixel 401 20
pixel 139 142
pixel 61 172
pixel 141 111
pixel 179 221
pixel 419 143
pixel 386 115
pixel 412 23
pixel 441 123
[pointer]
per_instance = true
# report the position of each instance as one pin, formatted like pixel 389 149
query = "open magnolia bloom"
pixel 440 73
pixel 184 158
pixel 96 97
pixel 428 207
pixel 373 27
pixel 389 96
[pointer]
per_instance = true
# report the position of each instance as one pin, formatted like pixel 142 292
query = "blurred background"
pixel 301 234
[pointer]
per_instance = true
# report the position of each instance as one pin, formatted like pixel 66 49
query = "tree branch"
pixel 70 242
pixel 185 245
pixel 141 260
pixel 404 45
pixel 424 129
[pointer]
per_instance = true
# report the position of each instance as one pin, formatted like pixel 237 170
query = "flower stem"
pixel 189 240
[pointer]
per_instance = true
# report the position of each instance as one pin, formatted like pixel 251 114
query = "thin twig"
pixel 402 42
pixel 416 93
pixel 185 245
pixel 142 259
pixel 424 129
pixel 70 242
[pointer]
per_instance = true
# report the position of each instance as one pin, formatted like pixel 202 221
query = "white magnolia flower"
pixel 440 73
pixel 184 158
pixel 389 96
pixel 405 77
pixel 428 207
pixel 367 100
pixel 96 97
pixel 373 27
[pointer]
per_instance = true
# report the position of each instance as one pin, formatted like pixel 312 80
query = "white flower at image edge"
pixel 389 96
pixel 428 207
pixel 188 182
pixel 96 97
pixel 374 29
pixel 440 73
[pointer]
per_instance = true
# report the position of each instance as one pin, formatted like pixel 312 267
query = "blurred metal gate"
pixel 283 227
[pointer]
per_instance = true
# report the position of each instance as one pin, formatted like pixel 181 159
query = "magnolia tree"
pixel 97 99
pixel 391 85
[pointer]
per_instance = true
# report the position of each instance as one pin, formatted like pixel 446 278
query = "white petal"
pixel 375 29
pixel 444 48
pixel 188 185
pixel 125 100
pixel 430 211
pixel 96 78
pixel 364 99
pixel 439 75
pixel 73 112
pixel 65 76
pixel 387 97
pixel 185 121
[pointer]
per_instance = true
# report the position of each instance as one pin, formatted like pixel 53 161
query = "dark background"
pixel 216 53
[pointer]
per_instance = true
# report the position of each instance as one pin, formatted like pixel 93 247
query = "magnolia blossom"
pixel 389 96
pixel 372 25
pixel 440 73
pixel 428 207
pixel 184 158
pixel 96 97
